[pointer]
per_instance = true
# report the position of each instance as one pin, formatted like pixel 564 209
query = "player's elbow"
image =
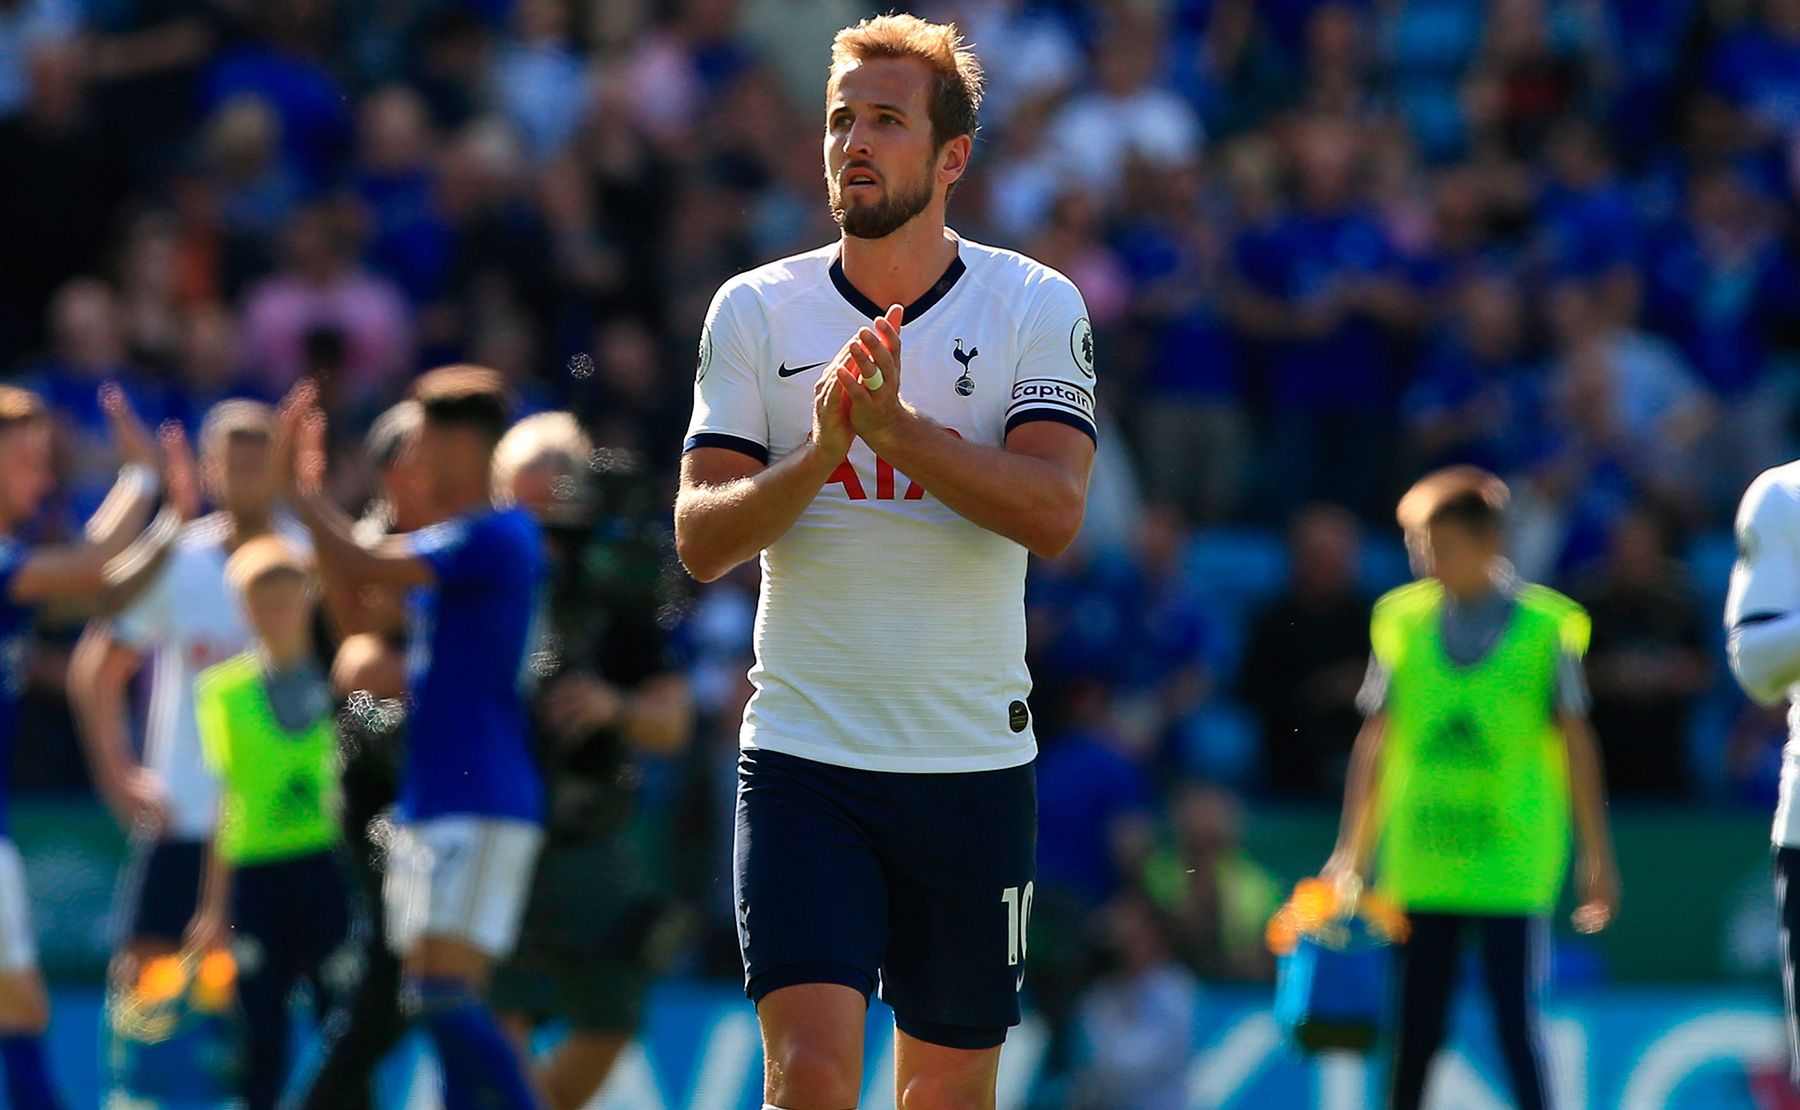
pixel 1759 664
pixel 701 559
pixel 1757 683
pixel 1055 529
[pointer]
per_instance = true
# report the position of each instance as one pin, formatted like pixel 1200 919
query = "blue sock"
pixel 27 1075
pixel 481 1070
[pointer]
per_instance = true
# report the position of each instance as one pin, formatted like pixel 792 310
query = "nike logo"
pixel 786 371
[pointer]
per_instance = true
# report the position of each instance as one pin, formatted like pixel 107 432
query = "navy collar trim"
pixel 913 311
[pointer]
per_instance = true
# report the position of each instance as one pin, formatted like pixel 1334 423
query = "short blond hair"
pixel 1467 495
pixel 19 407
pixel 262 558
pixel 543 437
pixel 954 98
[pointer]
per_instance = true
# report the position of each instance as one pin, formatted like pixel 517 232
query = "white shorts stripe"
pixel 18 944
pixel 464 878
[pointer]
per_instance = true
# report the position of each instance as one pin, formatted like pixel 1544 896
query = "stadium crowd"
pixel 1326 246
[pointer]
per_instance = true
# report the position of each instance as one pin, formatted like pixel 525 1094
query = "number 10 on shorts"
pixel 1018 921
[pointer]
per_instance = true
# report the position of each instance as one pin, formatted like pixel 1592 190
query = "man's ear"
pixel 953 159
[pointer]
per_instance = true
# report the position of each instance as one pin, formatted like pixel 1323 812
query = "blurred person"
pixel 1324 291
pixel 88 350
pixel 1125 113
pixel 368 677
pixel 1034 54
pixel 1479 397
pixel 284 58
pixel 541 78
pixel 469 819
pixel 1724 286
pixel 1627 421
pixel 1527 78
pixel 1304 658
pixel 1586 222
pixel 847 867
pixel 166 801
pixel 60 182
pixel 1093 778
pixel 25 26
pixel 1763 642
pixel 1137 1023
pixel 1427 50
pixel 275 893
pixel 149 289
pixel 1756 69
pixel 320 288
pixel 117 558
pixel 256 192
pixel 207 368
pixel 676 67
pixel 1475 752
pixel 1647 665
pixel 1194 426
pixel 144 60
pixel 395 180
pixel 600 917
pixel 630 405
pixel 1215 898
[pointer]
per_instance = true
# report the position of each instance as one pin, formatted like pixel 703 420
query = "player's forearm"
pixel 1765 656
pixel 343 563
pixel 132 570
pixel 717 527
pixel 1357 827
pixel 125 511
pixel 1031 501
pixel 1587 788
pixel 97 699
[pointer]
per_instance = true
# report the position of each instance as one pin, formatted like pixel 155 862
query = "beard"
pixel 877 221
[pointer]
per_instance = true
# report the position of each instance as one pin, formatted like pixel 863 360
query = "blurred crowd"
pixel 1325 245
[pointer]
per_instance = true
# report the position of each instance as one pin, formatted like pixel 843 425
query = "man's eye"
pixel 885 118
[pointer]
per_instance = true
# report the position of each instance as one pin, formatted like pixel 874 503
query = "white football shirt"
pixel 187 620
pixel 1765 582
pixel 890 632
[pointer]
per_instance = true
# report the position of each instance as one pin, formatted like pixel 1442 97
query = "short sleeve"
pixel 1572 695
pixel 1765 580
pixel 1373 696
pixel 728 401
pixel 1055 376
pixel 461 549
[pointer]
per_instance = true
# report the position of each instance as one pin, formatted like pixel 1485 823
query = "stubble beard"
pixel 895 210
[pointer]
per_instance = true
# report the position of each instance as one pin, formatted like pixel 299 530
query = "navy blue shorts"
pixel 921 882
pixel 159 890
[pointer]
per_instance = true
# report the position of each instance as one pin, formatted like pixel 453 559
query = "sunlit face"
pixel 25 471
pixel 279 608
pixel 534 487
pixel 453 458
pixel 881 166
pixel 1459 557
pixel 239 475
pixel 406 488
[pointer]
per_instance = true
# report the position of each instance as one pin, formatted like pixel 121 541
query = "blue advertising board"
pixel 1637 1049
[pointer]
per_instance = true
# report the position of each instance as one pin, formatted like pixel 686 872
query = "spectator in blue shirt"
pixel 1757 70
pixel 1478 398
pixel 1325 291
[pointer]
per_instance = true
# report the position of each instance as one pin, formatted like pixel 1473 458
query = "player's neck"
pixel 467 498
pixel 902 267
pixel 247 526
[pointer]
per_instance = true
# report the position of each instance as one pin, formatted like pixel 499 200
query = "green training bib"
pixel 278 789
pixel 1474 777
